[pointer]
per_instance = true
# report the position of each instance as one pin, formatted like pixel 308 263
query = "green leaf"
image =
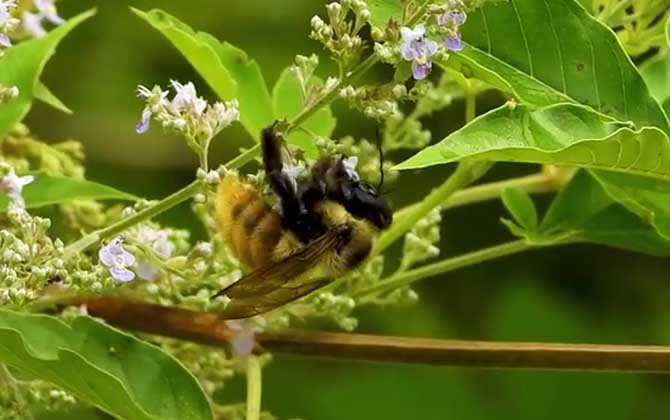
pixel 549 51
pixel 288 101
pixel 656 73
pixel 46 190
pixel 226 68
pixel 585 212
pixel 22 65
pixel 195 49
pixel 381 11
pixel 45 95
pixel 648 198
pixel 114 371
pixel 563 134
pixel 521 207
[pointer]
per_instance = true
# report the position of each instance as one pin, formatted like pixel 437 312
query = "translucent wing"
pixel 277 283
pixel 250 306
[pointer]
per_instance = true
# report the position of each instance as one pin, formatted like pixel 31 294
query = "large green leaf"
pixel 22 65
pixel 226 68
pixel 549 51
pixel 381 11
pixel 656 73
pixel 563 134
pixel 46 190
pixel 648 198
pixel 116 372
pixel 584 211
pixel 288 101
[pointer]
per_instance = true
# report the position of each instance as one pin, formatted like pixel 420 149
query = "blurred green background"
pixel 580 293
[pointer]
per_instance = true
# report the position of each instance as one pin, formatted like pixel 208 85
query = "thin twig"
pixel 208 328
pixel 254 387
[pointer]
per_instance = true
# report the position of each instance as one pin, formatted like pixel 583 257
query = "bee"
pixel 324 227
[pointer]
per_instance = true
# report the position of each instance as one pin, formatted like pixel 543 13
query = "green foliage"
pixel 584 211
pixel 288 99
pixel 22 65
pixel 521 207
pixel 122 375
pixel 227 69
pixel 43 94
pixel 381 11
pixel 47 190
pixel 656 73
pixel 545 52
pixel 563 134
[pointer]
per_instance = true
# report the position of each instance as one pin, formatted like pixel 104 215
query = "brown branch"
pixel 207 328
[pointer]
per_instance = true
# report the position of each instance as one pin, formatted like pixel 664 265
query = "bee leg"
pixel 296 215
pixel 280 182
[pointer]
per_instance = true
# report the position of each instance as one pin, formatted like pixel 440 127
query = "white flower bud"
pixel 317 23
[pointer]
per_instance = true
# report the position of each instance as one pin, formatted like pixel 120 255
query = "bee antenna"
pixel 381 159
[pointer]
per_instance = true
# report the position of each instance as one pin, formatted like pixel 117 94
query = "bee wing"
pixel 274 275
pixel 251 306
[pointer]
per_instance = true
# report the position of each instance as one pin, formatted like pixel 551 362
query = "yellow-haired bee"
pixel 324 227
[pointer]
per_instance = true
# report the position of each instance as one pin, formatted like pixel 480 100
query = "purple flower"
pixel 143 124
pixel 13 185
pixel 160 244
pixel 48 10
pixel 117 259
pixel 244 334
pixel 452 18
pixel 418 49
pixel 453 42
pixel 4 41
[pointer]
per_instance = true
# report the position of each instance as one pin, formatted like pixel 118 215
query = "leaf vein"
pixel 558 47
pixel 525 39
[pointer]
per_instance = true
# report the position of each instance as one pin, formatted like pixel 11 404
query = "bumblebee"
pixel 324 227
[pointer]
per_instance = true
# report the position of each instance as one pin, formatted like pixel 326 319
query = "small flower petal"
pixel 420 71
pixel 48 10
pixel 4 41
pixel 147 271
pixel 453 17
pixel 32 23
pixel 243 343
pixel 144 122
pixel 453 43
pixel 122 274
pixel 349 164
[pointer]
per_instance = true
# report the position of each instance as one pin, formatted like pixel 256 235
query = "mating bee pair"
pixel 324 227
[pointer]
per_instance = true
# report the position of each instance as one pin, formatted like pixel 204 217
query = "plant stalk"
pixel 254 387
pixel 465 174
pixel 406 278
pixel 210 329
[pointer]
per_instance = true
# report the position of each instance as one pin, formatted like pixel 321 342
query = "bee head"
pixel 364 202
pixel 360 198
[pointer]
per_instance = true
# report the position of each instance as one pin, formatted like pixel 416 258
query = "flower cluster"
pixel 7 22
pixel 46 11
pixel 186 113
pixel 420 241
pixel 418 49
pixel 340 34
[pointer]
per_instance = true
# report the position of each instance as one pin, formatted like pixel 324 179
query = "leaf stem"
pixel 254 387
pixel 542 182
pixel 466 172
pixel 408 277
